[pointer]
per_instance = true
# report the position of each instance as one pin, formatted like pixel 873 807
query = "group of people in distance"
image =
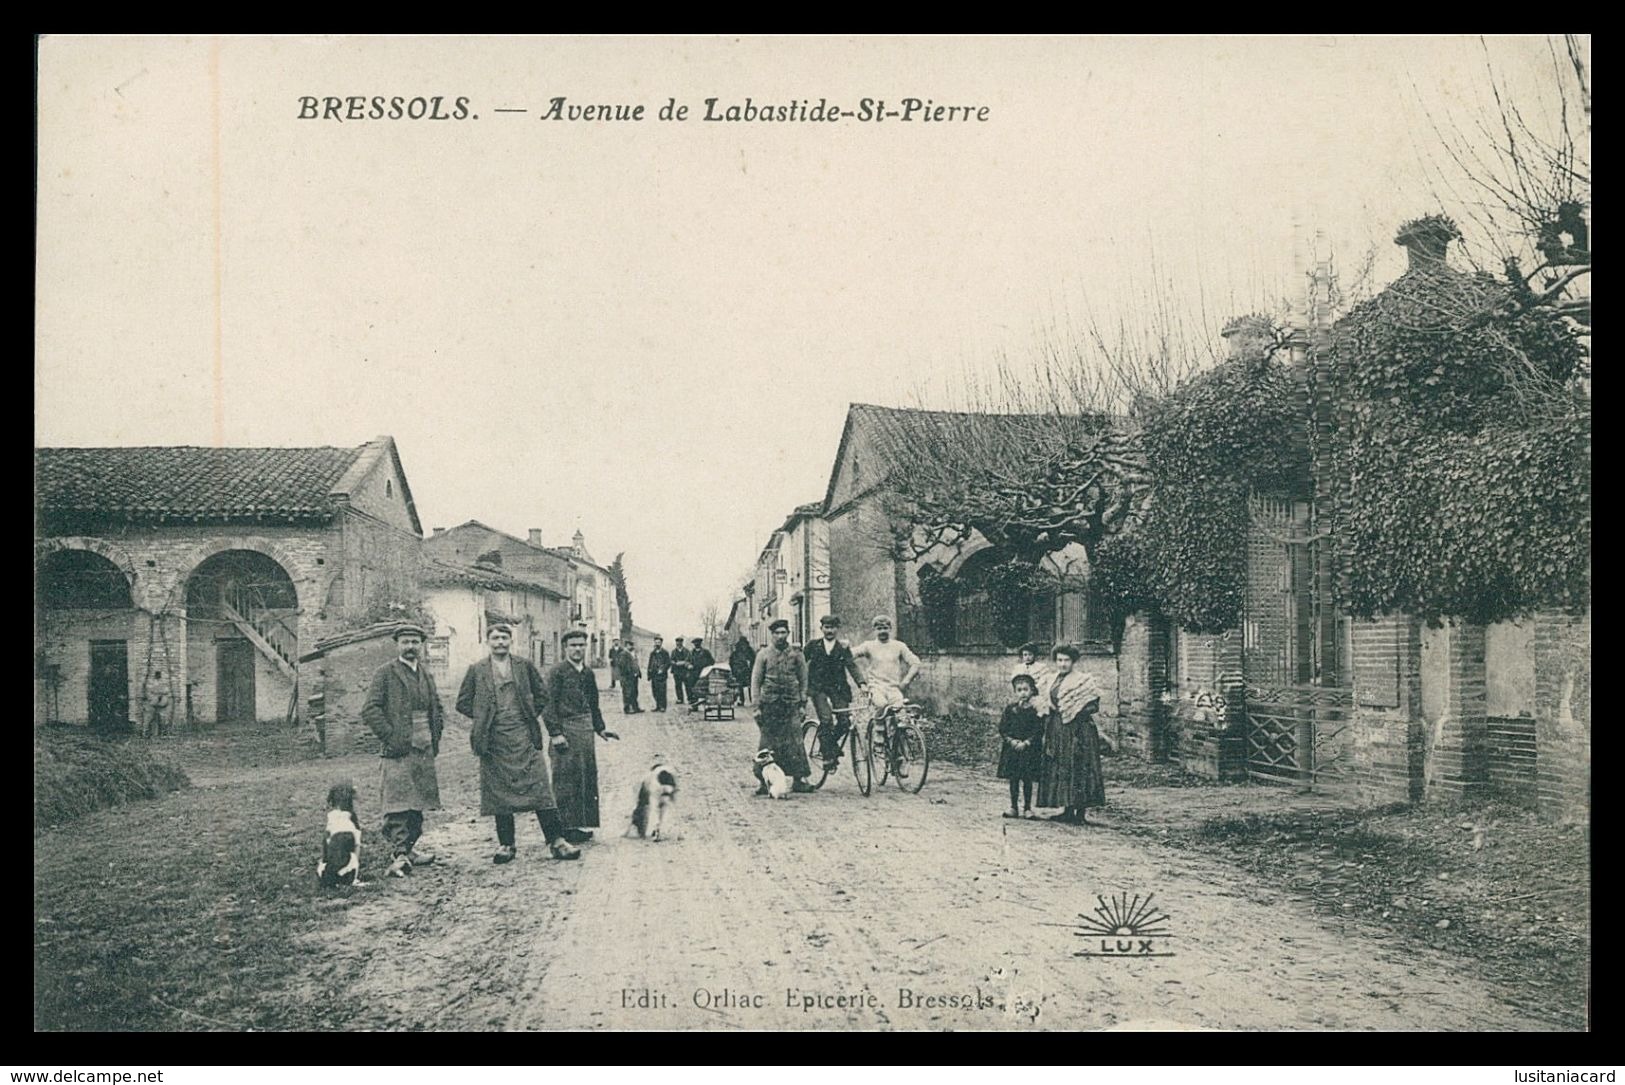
pixel 685 666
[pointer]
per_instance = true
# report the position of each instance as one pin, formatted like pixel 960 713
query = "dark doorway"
pixel 234 697
pixel 109 684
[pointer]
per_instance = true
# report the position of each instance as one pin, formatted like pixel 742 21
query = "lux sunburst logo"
pixel 1124 927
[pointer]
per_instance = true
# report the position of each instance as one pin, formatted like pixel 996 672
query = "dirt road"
pixel 920 911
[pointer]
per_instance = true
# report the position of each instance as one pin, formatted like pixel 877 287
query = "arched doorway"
pixel 242 616
pixel 82 622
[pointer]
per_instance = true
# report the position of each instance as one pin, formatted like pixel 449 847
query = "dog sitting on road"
pixel 773 780
pixel 657 800
pixel 340 863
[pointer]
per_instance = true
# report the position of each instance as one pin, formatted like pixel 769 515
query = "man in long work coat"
pixel 778 684
pixel 500 695
pixel 572 713
pixel 403 710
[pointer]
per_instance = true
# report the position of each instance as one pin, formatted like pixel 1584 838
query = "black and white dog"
pixel 655 813
pixel 774 782
pixel 340 863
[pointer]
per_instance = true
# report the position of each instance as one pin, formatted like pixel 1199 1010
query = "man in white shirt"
pixel 888 666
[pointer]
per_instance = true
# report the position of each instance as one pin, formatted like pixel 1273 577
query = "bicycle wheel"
pixel 862 765
pixel 815 754
pixel 912 759
pixel 879 755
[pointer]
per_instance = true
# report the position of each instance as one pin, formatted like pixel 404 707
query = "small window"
pixel 389 488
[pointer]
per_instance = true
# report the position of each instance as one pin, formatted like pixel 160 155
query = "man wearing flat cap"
pixel 502 694
pixel 574 719
pixel 403 710
pixel 778 685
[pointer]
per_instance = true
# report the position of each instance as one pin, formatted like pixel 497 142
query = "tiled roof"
pixel 440 571
pixel 191 484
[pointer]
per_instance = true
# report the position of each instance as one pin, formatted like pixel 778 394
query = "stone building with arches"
pixel 175 586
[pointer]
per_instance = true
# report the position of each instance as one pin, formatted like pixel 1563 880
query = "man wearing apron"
pixel 778 684
pixel 403 710
pixel 500 694
pixel 573 719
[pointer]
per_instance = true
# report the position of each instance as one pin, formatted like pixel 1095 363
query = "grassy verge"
pixel 76 772
pixel 188 913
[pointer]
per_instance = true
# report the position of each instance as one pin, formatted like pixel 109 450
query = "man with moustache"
pixel 778 684
pixel 403 710
pixel 573 719
pixel 500 694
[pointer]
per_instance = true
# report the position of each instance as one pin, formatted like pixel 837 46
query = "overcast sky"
pixel 651 331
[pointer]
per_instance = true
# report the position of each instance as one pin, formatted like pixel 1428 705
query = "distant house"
pixel 866 578
pixel 476 575
pixel 466 600
pixel 587 593
pixel 190 579
pixel 791 580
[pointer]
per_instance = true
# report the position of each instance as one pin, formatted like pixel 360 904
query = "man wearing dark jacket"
pixel 659 667
pixel 571 707
pixel 698 659
pixel 680 674
pixel 403 710
pixel 627 669
pixel 740 661
pixel 829 662
pixel 501 694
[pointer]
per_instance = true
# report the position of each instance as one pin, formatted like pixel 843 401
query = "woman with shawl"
pixel 1072 776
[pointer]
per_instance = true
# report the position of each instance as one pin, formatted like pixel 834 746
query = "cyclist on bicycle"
pixel 829 661
pixel 888 667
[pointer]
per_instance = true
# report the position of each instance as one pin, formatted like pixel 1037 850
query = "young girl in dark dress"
pixel 1021 753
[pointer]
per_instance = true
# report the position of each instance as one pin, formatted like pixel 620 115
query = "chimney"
pixel 439 531
pixel 1426 239
pixel 536 536
pixel 1248 336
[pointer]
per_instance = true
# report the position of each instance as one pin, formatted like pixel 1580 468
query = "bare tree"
pixel 1516 176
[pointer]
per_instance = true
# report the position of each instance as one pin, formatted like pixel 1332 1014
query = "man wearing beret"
pixel 573 719
pixel 501 694
pixel 778 685
pixel 403 710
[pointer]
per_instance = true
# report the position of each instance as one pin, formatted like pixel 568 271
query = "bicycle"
pixel 902 742
pixel 862 763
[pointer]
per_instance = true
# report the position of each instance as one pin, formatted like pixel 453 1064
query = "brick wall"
pixel 965 694
pixel 341 679
pixel 1562 650
pixel 1200 739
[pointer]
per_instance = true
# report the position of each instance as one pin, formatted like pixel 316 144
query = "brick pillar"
pixel 1387 732
pixel 1562 649
pixel 1457 751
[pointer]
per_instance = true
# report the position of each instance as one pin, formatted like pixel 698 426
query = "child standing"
pixel 1021 755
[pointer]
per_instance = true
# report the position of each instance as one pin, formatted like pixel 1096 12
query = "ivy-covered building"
pixel 186 582
pixel 1372 546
